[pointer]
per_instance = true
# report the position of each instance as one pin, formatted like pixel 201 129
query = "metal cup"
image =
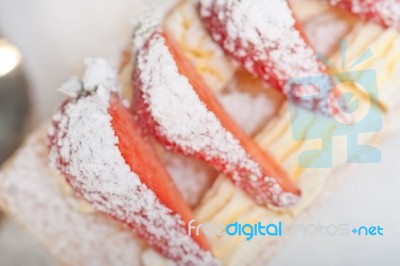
pixel 14 101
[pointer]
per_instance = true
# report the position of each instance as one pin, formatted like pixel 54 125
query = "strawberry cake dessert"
pixel 196 126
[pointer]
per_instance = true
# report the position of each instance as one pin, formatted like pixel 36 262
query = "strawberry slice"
pixel 382 12
pixel 97 145
pixel 174 104
pixel 265 39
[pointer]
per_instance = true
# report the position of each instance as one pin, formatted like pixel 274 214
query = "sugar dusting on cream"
pixel 384 12
pixel 84 148
pixel 185 122
pixel 263 38
pixel 258 30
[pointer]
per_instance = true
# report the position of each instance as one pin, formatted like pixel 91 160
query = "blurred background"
pixel 53 36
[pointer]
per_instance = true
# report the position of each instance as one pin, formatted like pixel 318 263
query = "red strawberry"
pixel 383 12
pixel 174 104
pixel 97 145
pixel 265 39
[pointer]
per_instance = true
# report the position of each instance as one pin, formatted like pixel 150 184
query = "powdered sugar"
pixel 36 200
pixel 389 11
pixel 192 177
pixel 324 30
pixel 84 148
pixel 249 102
pixel 263 31
pixel 263 38
pixel 97 72
pixel 185 122
pixel 384 12
pixel 181 116
pixel 72 87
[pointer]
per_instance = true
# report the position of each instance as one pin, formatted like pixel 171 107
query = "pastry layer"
pixel 38 200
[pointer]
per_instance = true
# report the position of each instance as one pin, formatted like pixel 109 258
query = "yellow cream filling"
pixel 185 26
